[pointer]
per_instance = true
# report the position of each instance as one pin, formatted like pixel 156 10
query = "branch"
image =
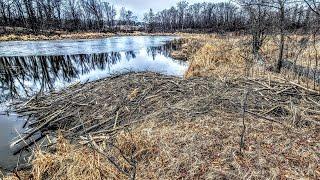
pixel 312 8
pixel 244 107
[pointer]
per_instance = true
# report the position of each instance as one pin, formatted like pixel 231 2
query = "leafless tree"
pixel 258 21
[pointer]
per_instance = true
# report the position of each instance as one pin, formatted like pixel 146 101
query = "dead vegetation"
pixel 65 35
pixel 218 58
pixel 187 48
pixel 148 125
pixel 230 56
pixel 225 120
pixel 119 100
pixel 204 148
pixel 58 36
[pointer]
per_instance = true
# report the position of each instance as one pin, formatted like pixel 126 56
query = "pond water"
pixel 30 67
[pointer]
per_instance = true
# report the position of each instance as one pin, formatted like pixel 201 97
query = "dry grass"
pixel 215 55
pixel 65 35
pixel 298 47
pixel 31 37
pixel 69 162
pixel 205 148
pixel 217 59
pixel 160 127
pixel 229 57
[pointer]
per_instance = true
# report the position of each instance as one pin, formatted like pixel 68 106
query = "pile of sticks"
pixel 105 106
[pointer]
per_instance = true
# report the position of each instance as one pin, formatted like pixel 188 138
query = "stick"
pixel 244 107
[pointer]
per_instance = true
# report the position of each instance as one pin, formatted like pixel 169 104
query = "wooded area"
pixel 240 15
pixel 214 17
pixel 71 15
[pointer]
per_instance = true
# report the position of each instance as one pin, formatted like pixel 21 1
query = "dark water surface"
pixel 10 127
pixel 30 67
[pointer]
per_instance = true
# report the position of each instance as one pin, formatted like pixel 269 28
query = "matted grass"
pixel 205 148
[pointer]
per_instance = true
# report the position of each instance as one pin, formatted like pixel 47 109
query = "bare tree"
pixel 110 13
pixel 31 14
pixel 258 18
pixel 149 18
pixel 94 11
pixel 181 6
pixel 314 5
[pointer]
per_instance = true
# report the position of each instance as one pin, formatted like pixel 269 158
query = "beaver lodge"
pixel 148 125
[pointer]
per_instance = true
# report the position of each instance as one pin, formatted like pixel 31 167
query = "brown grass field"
pixel 230 56
pixel 162 127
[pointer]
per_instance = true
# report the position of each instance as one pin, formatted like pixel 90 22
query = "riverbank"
pixel 215 123
pixel 154 126
pixel 73 35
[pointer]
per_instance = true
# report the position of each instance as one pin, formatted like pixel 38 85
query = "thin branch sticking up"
pixel 244 107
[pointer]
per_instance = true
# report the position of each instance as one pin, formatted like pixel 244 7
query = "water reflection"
pixel 25 75
pixel 163 50
pixel 10 127
pixel 31 67
pixel 87 46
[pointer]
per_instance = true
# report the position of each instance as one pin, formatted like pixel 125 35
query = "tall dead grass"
pixel 231 56
pixel 68 162
pixel 32 37
pixel 220 57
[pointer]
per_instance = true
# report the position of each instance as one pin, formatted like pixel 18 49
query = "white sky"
pixel 139 7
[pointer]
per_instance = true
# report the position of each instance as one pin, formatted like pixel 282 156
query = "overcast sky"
pixel 139 7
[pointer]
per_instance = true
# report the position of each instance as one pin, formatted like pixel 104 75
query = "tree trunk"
pixel 282 38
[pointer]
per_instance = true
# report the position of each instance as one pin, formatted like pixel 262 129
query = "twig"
pixel 97 148
pixel 244 107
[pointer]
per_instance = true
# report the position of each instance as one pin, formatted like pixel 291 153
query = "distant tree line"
pixel 62 14
pixel 239 15
pixel 255 16
pixel 215 16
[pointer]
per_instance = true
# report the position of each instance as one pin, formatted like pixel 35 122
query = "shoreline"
pixel 80 35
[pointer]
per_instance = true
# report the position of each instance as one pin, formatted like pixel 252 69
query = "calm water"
pixel 30 67
pixel 10 126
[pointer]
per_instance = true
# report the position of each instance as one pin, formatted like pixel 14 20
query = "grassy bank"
pixel 228 119
pixel 230 56
pixel 70 35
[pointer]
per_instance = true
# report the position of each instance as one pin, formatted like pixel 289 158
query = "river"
pixel 30 67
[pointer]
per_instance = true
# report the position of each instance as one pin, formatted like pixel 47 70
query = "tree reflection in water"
pixel 21 76
pixel 162 50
